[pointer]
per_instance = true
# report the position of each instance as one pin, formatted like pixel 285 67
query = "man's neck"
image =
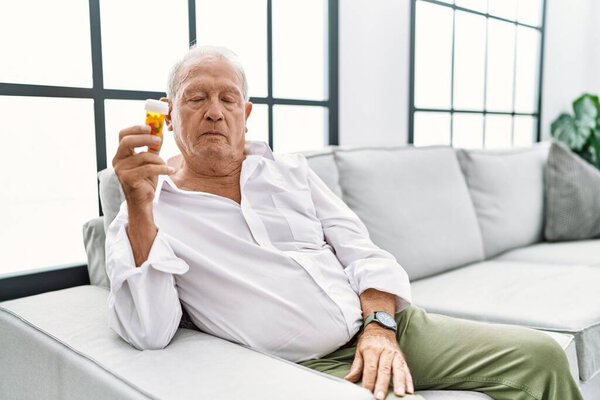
pixel 220 178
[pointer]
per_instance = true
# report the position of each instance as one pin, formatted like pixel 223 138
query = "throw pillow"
pixel 572 196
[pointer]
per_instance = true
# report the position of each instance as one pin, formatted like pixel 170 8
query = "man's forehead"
pixel 210 71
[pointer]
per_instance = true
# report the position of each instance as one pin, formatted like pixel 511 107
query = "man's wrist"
pixel 382 319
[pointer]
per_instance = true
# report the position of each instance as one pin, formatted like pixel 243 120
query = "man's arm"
pixel 141 232
pixel 382 284
pixel 143 303
pixel 378 359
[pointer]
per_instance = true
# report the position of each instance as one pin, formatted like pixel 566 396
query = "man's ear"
pixel 168 116
pixel 248 109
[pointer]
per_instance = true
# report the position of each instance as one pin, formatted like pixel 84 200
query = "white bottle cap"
pixel 157 106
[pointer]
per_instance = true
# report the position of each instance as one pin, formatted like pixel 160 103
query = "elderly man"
pixel 260 252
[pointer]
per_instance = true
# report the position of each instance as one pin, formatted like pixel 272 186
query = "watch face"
pixel 386 319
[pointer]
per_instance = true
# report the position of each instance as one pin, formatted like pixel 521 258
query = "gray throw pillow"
pixel 572 196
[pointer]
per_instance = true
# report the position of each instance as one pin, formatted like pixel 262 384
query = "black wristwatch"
pixel 382 318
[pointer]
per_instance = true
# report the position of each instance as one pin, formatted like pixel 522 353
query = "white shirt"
pixel 281 272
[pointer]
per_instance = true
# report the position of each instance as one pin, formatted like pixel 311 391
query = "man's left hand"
pixel 379 360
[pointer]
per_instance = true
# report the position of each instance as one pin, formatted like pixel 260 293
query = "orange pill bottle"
pixel 155 118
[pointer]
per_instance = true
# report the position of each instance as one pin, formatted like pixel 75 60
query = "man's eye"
pixel 228 100
pixel 196 99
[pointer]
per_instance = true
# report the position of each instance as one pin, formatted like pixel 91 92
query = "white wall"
pixel 572 56
pixel 375 60
pixel 374 75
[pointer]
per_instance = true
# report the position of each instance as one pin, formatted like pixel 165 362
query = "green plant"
pixel 581 131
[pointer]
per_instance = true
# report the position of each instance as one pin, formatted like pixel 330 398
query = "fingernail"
pixel 156 139
pixel 171 170
pixel 380 395
pixel 147 128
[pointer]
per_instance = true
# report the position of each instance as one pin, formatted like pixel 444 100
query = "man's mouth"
pixel 212 133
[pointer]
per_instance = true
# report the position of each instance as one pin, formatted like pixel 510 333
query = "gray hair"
pixel 198 53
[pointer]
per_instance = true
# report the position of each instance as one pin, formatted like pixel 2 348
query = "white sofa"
pixel 467 226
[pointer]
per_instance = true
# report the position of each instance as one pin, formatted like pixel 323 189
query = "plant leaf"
pixel 564 129
pixel 586 113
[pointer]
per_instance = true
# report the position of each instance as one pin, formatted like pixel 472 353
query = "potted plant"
pixel 581 131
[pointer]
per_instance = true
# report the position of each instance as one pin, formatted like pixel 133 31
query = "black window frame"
pixel 48 278
pixel 413 109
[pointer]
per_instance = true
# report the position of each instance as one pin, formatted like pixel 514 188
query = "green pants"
pixel 502 361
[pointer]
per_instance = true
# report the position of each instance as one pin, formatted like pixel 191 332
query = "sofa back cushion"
pixel 323 163
pixel 93 240
pixel 507 188
pixel 415 204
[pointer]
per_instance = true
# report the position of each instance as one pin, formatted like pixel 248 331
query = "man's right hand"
pixel 138 172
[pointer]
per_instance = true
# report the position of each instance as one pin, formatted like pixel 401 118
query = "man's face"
pixel 208 113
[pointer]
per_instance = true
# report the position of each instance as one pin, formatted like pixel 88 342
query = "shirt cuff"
pixel 381 274
pixel 121 264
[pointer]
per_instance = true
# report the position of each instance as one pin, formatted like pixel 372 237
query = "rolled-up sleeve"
pixel 366 265
pixel 143 304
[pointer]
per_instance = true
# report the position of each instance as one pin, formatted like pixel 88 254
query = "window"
pixel 71 82
pixel 476 72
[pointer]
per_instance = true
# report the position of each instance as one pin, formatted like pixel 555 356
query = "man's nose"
pixel 215 111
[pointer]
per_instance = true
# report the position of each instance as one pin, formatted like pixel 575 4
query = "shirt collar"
pixel 251 148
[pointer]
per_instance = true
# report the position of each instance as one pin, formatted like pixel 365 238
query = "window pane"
pixel 433 55
pixel 243 31
pixel 477 5
pixel 525 130
pixel 43 46
pixel 258 123
pixel 530 12
pixel 299 128
pixel 503 8
pixel 300 49
pixel 122 114
pixel 51 190
pixel 141 40
pixel 526 88
pixel 498 130
pixel 467 131
pixel 469 61
pixel 431 128
pixel 500 65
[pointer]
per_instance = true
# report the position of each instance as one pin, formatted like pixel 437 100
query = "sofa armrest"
pixel 69 328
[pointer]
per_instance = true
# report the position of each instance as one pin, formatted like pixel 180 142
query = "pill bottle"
pixel 155 118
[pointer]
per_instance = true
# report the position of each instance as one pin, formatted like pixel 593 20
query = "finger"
pixel 356 369
pixel 384 374
pixel 129 143
pixel 399 377
pixel 371 360
pixel 135 130
pixel 137 160
pixel 410 387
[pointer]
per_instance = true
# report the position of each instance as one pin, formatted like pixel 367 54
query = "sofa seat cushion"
pixel 62 339
pixel 558 298
pixel 413 200
pixel 583 252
